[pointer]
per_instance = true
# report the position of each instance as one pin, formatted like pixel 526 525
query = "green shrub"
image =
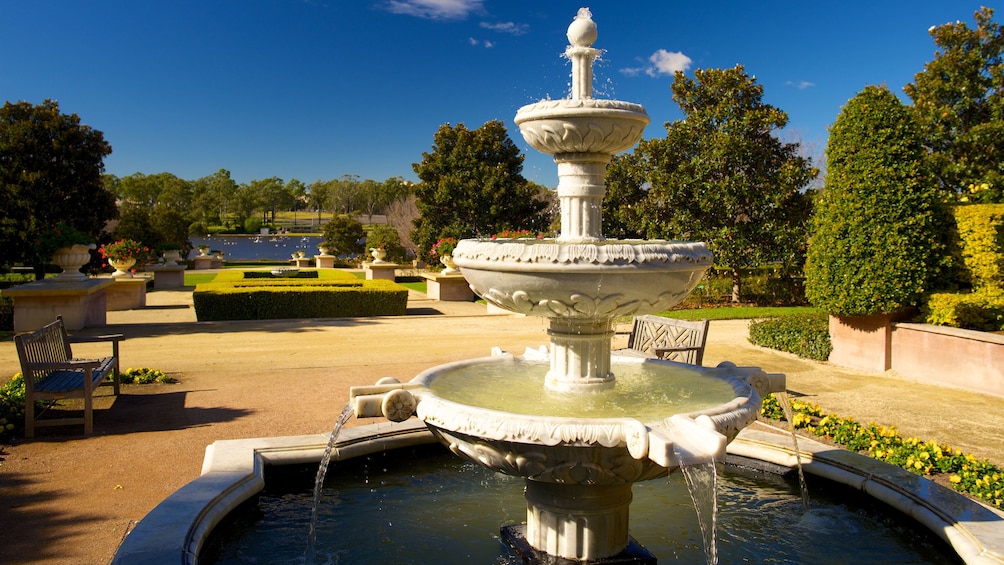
pixel 343 234
pixel 12 407
pixel 805 335
pixel 252 225
pixel 981 235
pixel 879 232
pixel 387 237
pixel 144 375
pixel 982 310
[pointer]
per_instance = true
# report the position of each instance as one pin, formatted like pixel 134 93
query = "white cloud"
pixel 666 63
pixel 801 85
pixel 435 9
pixel 661 62
pixel 507 27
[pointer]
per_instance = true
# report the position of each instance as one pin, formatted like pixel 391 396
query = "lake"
pixel 256 247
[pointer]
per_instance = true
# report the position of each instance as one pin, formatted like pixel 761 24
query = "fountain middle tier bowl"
pixel 496 412
pixel 582 280
pixel 582 125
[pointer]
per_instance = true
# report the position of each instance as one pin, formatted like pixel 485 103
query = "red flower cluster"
pixel 124 249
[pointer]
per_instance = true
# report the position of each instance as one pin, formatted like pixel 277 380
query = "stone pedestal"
pixel 203 262
pixel 448 288
pixel 302 262
pixel 324 261
pixel 380 271
pixel 217 263
pixel 128 293
pixel 168 276
pixel 81 303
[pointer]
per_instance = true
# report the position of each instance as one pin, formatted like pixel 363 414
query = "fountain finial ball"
pixel 582 30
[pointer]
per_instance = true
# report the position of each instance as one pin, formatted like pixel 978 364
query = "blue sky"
pixel 317 89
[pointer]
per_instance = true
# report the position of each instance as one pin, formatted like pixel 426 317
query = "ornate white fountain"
pixel 579 467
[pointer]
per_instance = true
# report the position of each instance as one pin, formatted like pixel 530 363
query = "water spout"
pixel 322 471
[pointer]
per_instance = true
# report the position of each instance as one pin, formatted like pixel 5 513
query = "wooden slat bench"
pixel 667 338
pixel 51 373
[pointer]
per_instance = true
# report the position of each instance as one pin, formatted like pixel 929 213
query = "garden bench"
pixel 667 338
pixel 51 373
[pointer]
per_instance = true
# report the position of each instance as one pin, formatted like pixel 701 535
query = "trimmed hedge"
pixel 982 310
pixel 805 335
pixel 285 298
pixel 879 236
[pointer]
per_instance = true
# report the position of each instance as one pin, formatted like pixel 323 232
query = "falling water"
pixel 322 470
pixel 702 481
pixel 785 402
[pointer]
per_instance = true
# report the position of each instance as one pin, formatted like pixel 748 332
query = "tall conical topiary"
pixel 879 231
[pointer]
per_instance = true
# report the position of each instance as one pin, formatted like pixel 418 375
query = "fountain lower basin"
pixel 579 464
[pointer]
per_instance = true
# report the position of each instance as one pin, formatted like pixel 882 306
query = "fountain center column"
pixel 580 354
pixel 581 187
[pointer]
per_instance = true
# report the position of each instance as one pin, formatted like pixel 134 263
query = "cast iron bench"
pixel 51 373
pixel 667 338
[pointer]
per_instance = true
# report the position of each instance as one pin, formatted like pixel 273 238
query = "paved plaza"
pixel 70 499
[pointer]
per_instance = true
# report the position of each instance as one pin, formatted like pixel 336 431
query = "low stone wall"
pixel 952 357
pixel 938 355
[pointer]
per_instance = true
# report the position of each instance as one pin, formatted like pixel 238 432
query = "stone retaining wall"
pixel 952 357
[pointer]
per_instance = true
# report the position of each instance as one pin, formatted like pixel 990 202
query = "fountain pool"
pixel 422 505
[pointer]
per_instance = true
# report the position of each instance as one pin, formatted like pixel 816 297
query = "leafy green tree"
pixel 135 222
pixel 720 175
pixel 298 194
pixel 319 197
pixel 171 225
pixel 344 235
pixel 212 195
pixel 50 172
pixel 959 100
pixel 245 202
pixel 627 178
pixel 344 193
pixel 879 232
pixel 473 185
pixel 271 195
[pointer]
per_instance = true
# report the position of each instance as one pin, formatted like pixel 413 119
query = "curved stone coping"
pixel 974 530
pixel 232 472
pixel 531 255
pixel 175 530
pixel 512 427
pixel 566 107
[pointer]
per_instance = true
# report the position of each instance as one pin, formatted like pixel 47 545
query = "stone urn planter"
pixel 451 267
pixel 378 254
pixel 122 266
pixel 203 251
pixel 171 257
pixel 324 250
pixel 70 260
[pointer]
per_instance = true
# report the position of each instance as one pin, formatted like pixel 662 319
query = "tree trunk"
pixel 736 285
